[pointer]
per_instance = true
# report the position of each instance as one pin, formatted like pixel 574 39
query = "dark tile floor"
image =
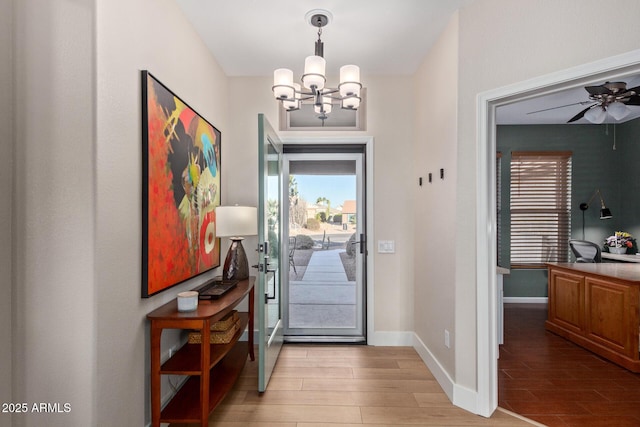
pixel 557 383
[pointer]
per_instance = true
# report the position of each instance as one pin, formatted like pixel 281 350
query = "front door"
pixel 324 298
pixel 270 327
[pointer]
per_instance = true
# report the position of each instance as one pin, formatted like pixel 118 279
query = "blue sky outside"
pixel 336 188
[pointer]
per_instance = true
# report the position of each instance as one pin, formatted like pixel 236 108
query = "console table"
pixel 213 368
pixel 595 305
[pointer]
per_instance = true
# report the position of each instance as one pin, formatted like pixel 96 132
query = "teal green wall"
pixel 596 165
pixel 628 144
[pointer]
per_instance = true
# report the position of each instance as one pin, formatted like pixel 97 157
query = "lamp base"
pixel 236 266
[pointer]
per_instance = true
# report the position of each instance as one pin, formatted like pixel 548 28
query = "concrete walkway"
pixel 324 298
pixel 325 266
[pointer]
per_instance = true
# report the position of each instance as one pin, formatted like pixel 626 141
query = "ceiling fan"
pixel 609 98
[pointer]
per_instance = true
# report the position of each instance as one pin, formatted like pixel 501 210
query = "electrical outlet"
pixel 447 343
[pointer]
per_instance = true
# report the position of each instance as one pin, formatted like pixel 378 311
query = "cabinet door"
pixel 566 300
pixel 611 315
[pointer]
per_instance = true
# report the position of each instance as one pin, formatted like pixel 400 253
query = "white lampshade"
pixel 293 105
pixel 314 67
pixel 596 115
pixel 326 104
pixel 235 221
pixel 618 110
pixel 349 80
pixel 351 103
pixel 283 83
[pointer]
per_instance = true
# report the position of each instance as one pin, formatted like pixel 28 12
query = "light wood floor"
pixel 346 386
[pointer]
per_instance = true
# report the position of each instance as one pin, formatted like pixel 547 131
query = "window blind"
pixel 540 203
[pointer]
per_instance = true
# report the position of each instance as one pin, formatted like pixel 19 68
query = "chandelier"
pixel 291 94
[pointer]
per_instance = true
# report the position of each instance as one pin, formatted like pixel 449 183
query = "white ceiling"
pixel 383 37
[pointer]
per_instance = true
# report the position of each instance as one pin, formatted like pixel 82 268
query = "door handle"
pixel 361 242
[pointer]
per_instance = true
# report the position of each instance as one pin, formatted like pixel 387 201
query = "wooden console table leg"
pixel 205 357
pixel 156 334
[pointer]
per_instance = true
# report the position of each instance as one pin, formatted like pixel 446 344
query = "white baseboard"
pixel 465 398
pixel 462 397
pixel 434 366
pixel 391 339
pixel 525 300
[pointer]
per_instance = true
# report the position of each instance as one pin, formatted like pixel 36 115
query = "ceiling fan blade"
pixel 559 106
pixel 632 100
pixel 598 90
pixel 634 89
pixel 581 114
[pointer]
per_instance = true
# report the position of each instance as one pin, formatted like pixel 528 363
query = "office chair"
pixel 585 251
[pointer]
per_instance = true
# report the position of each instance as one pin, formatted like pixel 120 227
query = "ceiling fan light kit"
pixel 291 94
pixel 596 115
pixel 618 110
pixel 611 99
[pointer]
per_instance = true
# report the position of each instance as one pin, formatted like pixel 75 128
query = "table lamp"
pixel 235 222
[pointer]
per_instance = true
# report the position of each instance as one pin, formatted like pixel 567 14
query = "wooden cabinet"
pixel 212 368
pixel 566 300
pixel 596 306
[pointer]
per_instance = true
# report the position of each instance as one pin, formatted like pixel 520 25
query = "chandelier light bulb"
pixel 351 103
pixel 295 104
pixel 283 83
pixel 314 67
pixel 326 106
pixel 350 80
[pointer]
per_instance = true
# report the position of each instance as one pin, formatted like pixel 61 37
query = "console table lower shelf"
pixel 185 406
pixel 213 368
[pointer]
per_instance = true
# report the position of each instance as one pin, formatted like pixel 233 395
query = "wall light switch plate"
pixel 386 246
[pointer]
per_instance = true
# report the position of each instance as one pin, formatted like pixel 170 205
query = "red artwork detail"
pixel 168 250
pixel 208 252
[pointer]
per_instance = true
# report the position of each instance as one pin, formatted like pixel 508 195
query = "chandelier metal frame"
pixel 291 94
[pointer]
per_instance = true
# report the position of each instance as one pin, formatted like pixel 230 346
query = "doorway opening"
pixel 487 307
pixel 324 290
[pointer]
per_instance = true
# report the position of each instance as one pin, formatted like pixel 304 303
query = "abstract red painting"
pixel 180 189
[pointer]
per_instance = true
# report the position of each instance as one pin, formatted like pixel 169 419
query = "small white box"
pixel 187 301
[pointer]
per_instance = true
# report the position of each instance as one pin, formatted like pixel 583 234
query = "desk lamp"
pixel 234 222
pixel 605 212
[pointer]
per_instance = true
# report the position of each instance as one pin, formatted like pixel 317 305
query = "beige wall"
pixel 79 328
pixel 390 122
pixel 503 42
pixel 150 35
pixel 54 201
pixel 389 119
pixel 436 141
pixel 6 182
